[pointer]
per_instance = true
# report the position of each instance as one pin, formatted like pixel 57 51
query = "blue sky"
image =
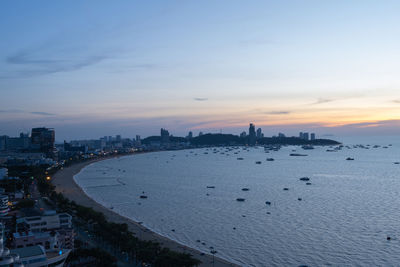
pixel 94 68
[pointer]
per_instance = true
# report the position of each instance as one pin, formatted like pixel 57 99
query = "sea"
pixel 344 216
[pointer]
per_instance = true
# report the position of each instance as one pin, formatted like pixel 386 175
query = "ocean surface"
pixel 343 218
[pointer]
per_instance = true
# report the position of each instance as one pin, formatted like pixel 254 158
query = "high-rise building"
pixel 190 135
pixel 252 134
pixel 313 136
pixel 164 136
pixel 118 138
pixel 281 135
pixel 259 133
pixel 43 140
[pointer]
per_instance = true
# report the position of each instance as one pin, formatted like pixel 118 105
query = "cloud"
pixel 42 113
pixel 34 63
pixel 200 99
pixel 277 112
pixel 397 101
pixel 322 101
pixel 11 111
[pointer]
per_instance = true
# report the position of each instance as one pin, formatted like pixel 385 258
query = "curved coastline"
pixel 65 183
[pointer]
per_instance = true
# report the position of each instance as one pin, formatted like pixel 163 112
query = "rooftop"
pixel 29 251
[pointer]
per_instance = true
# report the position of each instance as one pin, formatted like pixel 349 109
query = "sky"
pixel 95 68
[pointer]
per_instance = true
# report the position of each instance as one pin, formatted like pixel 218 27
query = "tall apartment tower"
pixel 252 134
pixel 42 139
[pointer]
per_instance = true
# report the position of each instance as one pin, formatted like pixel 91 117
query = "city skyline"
pixel 315 66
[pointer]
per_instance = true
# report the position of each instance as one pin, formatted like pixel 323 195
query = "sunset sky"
pixel 95 68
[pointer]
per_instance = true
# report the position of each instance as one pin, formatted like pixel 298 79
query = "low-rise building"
pixel 50 220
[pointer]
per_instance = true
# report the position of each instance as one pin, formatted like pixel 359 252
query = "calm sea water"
pixel 343 218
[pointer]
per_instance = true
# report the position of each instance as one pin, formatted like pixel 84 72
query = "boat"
pixel 268 202
pixel 297 155
pixel 240 199
pixel 245 189
pixel 304 179
pixel 349 158
pixel 143 196
pixel 239 158
pixel 307 147
pixel 270 159
pixel 258 162
pixel 286 189
pixel 210 186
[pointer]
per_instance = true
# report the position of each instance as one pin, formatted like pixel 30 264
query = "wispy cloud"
pixel 322 101
pixel 281 112
pixel 34 62
pixel 397 101
pixel 13 111
pixel 42 113
pixel 200 98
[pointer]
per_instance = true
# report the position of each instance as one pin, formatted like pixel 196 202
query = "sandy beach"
pixel 64 182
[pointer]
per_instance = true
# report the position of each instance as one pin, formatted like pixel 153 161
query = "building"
pixel 37 256
pixel 281 135
pixel 243 134
pixel 252 134
pixel 190 135
pixel 3 142
pixel 15 144
pixel 312 136
pixel 3 205
pixel 49 221
pixel 164 136
pixel 43 139
pixel 7 258
pixel 304 135
pixel 259 133
pixel 3 173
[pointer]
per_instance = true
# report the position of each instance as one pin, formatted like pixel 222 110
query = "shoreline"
pixel 64 182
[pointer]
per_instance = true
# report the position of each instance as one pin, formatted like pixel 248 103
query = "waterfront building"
pixel 49 221
pixel 304 135
pixel 259 133
pixel 252 134
pixel 164 136
pixel 37 256
pixel 312 136
pixel 281 135
pixel 43 139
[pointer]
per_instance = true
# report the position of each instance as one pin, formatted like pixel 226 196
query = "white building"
pixel 50 220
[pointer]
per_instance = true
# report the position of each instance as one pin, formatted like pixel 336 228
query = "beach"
pixel 65 184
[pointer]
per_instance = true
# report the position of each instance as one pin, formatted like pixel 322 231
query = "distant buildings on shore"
pixel 307 136
pixel 39 147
